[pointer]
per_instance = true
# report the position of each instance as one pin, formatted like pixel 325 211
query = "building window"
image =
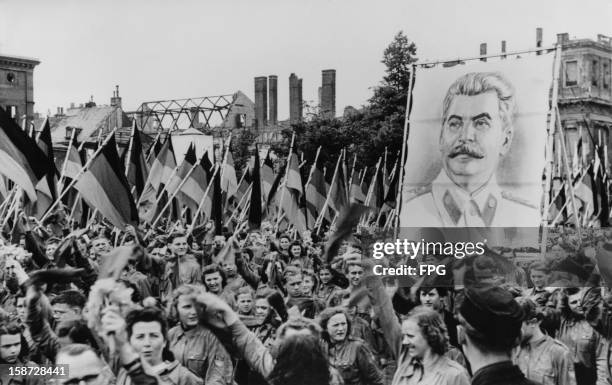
pixel 10 77
pixel 606 75
pixel 595 73
pixel 571 73
pixel 69 132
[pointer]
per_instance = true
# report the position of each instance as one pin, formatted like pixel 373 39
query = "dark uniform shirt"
pixel 501 373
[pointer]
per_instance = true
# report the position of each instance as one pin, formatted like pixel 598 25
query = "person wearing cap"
pixel 476 134
pixel 541 357
pixel 489 328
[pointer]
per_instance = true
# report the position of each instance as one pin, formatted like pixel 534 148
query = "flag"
pixel 558 200
pixel 267 176
pixel 229 184
pixel 217 205
pixel 182 171
pixel 161 170
pixel 316 192
pixel 21 160
pixel 294 178
pixel 105 187
pixel 583 192
pixel 244 184
pixel 356 191
pixel 138 169
pixel 207 166
pixel 338 198
pixel 271 203
pixel 255 205
pixel 74 162
pixel 46 189
pixel 154 149
pixel 601 183
pixel 391 196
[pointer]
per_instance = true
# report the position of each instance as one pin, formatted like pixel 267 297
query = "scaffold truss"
pixel 168 115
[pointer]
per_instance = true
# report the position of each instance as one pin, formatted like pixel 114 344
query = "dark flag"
pixel 138 169
pixel 217 204
pixel 207 166
pixel 105 187
pixel 21 160
pixel 255 206
pixel 316 192
pixel 46 189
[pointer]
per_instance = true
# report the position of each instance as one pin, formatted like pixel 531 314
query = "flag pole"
pixel 61 180
pixel 246 193
pixel 319 220
pixel 176 191
pixel 152 147
pixel 566 162
pixel 81 172
pixel 398 202
pixel 201 205
pixel 314 164
pixel 129 150
pixel 285 181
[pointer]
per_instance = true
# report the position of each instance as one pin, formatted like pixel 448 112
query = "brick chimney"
pixel 116 99
pixel 261 102
pixel 562 38
pixel 538 40
pixel 328 93
pixel 295 99
pixel 483 51
pixel 273 99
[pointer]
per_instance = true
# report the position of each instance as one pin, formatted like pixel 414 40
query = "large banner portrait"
pixel 476 145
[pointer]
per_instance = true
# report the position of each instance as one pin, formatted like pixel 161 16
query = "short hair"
pixel 12 328
pixel 442 291
pixel 476 83
pixel 52 241
pixel 147 314
pixel 75 350
pixel 176 294
pixel 540 266
pixel 72 298
pixel 78 332
pixel 211 269
pixel 301 360
pixel 325 316
pixel 174 235
pixel 530 309
pixel 299 323
pixel 245 290
pixel 432 328
pixel 290 271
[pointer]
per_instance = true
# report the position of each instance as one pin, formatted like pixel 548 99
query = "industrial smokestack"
pixel 538 39
pixel 261 102
pixel 328 93
pixel 483 51
pixel 503 49
pixel 273 99
pixel 295 99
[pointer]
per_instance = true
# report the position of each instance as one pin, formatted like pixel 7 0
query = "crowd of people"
pixel 192 306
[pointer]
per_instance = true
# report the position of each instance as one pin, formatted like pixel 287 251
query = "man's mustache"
pixel 467 149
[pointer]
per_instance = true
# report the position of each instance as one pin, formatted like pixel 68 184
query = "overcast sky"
pixel 188 48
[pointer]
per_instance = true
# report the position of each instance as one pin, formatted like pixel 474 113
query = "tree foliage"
pixel 366 132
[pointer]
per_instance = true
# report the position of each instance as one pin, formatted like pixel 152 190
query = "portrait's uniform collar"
pixel 455 204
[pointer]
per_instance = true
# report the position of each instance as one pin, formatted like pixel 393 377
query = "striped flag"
pixel 105 187
pixel 21 160
pixel 356 191
pixel 338 198
pixel 229 182
pixel 294 190
pixel 316 192
pixel 161 170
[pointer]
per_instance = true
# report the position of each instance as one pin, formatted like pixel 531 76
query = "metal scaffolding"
pixel 168 115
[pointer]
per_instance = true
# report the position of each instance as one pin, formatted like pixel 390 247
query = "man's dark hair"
pixel 174 235
pixel 72 298
pixel 75 350
pixel 78 332
pixel 442 291
pixel 301 360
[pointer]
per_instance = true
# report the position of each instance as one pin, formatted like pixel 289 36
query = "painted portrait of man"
pixel 477 130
